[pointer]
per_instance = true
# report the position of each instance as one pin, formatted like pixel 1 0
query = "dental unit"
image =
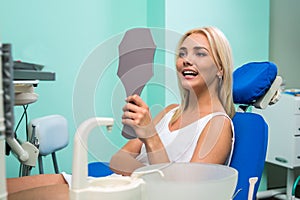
pixel 106 187
pixel 177 180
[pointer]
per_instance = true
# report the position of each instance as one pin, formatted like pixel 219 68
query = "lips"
pixel 189 73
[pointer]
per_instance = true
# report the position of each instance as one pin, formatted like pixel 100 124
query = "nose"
pixel 186 62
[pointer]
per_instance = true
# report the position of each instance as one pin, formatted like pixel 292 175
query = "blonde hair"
pixel 222 56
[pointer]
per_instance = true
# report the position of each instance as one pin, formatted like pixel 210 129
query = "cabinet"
pixel 283 119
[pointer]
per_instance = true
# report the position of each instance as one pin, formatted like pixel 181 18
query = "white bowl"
pixel 190 181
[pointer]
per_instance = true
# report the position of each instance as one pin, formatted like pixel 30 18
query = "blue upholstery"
pixel 251 140
pixel 252 80
pixel 99 169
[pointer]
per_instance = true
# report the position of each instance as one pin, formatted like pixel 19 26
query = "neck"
pixel 204 102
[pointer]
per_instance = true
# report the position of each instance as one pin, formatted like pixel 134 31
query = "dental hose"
pixel 295 186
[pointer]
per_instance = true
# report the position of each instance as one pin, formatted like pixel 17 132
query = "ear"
pixel 220 72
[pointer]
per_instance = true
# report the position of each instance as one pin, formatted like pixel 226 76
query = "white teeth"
pixel 189 72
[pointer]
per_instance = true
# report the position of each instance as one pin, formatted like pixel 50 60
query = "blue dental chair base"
pixel 99 169
pixel 251 140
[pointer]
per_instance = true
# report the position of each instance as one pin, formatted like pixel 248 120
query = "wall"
pixel 284 51
pixel 245 23
pixel 65 36
pixel 284 39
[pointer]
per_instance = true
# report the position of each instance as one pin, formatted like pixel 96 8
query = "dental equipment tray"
pixel 30 71
pixel 18 65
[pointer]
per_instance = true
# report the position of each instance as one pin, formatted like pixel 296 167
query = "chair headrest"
pixel 252 80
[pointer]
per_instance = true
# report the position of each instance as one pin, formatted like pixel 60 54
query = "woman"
pixel 197 130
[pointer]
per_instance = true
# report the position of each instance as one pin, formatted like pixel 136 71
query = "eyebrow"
pixel 200 47
pixel 195 48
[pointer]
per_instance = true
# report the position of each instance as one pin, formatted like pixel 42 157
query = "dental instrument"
pixel 25 152
pixel 3 190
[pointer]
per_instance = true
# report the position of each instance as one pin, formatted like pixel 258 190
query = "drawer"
pixel 297 152
pixel 297 107
pixel 297 125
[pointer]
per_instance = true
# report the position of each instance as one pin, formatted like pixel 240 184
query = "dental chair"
pixel 49 134
pixel 254 84
pixel 99 169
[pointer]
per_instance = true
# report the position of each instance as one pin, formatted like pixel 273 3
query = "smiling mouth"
pixel 189 73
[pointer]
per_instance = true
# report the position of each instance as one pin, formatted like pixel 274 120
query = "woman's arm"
pixel 156 151
pixel 137 115
pixel 27 183
pixel 124 162
pixel 214 143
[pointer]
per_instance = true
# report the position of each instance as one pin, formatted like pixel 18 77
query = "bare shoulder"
pixel 215 141
pixel 170 107
pixel 164 112
pixel 222 122
pixel 218 127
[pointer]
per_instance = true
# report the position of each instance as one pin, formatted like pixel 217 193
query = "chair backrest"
pixel 251 82
pixel 251 140
pixel 51 132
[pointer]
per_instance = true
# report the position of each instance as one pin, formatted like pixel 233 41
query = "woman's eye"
pixel 201 54
pixel 181 54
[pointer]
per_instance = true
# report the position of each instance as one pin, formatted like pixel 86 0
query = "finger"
pixel 129 115
pixel 130 107
pixel 136 99
pixel 128 122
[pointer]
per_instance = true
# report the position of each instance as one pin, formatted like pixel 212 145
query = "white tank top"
pixel 180 144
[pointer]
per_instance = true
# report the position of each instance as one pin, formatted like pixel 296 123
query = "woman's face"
pixel 195 66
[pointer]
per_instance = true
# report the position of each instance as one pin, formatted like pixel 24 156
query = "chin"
pixel 187 86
